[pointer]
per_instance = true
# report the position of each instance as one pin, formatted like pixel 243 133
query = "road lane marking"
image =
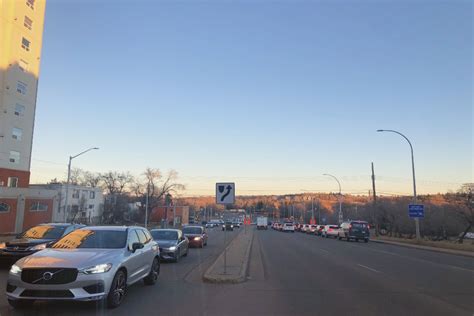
pixel 368 268
pixel 447 266
pixel 326 251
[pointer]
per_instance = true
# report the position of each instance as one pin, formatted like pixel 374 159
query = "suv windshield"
pixel 164 234
pixel 85 238
pixel 44 232
pixel 192 230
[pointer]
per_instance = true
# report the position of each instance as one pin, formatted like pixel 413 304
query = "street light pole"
pixel 340 217
pixel 417 222
pixel 69 179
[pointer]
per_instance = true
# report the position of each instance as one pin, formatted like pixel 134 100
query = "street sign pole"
pixel 225 194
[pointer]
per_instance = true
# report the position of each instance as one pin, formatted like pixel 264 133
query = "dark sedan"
pixel 34 239
pixel 173 245
pixel 196 235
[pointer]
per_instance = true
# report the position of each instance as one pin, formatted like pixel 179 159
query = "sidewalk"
pixel 442 250
pixel 237 257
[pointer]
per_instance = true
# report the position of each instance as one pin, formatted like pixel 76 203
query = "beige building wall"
pixel 21 33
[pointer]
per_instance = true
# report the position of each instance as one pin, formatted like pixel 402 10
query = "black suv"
pixel 34 239
pixel 354 230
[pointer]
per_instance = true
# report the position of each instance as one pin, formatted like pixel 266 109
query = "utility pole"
pixel 374 215
pixel 146 204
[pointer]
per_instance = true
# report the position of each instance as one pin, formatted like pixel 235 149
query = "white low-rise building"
pixel 85 204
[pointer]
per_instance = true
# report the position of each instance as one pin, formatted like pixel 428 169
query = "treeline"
pixel 447 216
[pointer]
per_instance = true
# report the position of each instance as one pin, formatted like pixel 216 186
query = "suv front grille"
pixel 46 293
pixel 49 275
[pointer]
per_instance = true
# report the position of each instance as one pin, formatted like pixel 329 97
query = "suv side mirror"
pixel 137 245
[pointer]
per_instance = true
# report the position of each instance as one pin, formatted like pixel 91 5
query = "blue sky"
pixel 269 94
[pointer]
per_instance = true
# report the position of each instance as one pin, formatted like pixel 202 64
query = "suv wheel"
pixel 118 290
pixel 20 303
pixel 366 240
pixel 339 237
pixel 152 277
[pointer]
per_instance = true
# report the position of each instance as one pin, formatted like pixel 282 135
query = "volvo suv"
pixel 91 263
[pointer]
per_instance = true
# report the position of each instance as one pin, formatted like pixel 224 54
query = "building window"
pixel 23 65
pixel 12 182
pixel 28 23
pixel 21 87
pixel 31 4
pixel 25 44
pixel 17 133
pixel 91 206
pixel 75 194
pixel 19 110
pixel 38 207
pixel 14 157
pixel 91 195
pixel 4 207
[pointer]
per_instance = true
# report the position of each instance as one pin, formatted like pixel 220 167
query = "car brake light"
pixel 330 229
pixel 368 226
pixel 350 226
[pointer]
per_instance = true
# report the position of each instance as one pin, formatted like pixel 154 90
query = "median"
pixel 237 258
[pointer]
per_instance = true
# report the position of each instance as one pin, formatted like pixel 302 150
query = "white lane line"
pixel 326 251
pixel 368 268
pixel 421 260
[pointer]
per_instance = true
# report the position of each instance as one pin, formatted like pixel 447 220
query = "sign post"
pixel 225 194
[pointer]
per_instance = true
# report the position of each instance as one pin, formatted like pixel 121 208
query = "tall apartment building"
pixel 21 33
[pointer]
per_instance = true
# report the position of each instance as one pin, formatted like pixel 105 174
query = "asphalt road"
pixel 298 274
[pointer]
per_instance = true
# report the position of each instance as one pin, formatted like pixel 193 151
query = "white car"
pixel 288 227
pixel 304 228
pixel 330 231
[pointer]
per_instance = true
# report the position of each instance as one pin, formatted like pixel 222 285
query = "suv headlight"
pixel 197 238
pixel 15 269
pixel 3 245
pixel 39 247
pixel 172 248
pixel 100 268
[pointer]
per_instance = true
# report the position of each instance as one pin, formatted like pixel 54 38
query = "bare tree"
pixel 156 185
pixel 91 179
pixel 114 182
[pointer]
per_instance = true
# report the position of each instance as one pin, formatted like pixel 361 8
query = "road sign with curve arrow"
pixel 225 193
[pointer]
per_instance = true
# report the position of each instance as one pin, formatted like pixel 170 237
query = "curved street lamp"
pixel 69 178
pixel 340 217
pixel 417 222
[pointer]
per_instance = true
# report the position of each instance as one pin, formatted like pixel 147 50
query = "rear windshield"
pixel 359 225
pixel 164 235
pixel 333 226
pixel 192 230
pixel 86 238
pixel 288 224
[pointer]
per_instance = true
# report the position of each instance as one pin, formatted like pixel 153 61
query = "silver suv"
pixel 91 263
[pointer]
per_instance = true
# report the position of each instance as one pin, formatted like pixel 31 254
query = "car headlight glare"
pixel 100 268
pixel 197 238
pixel 39 247
pixel 172 248
pixel 15 269
pixel 3 245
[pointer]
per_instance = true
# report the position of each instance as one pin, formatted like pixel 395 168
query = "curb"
pixel 208 277
pixel 442 250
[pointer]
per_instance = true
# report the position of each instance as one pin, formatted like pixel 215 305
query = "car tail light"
pixel 330 229
pixel 350 226
pixel 368 226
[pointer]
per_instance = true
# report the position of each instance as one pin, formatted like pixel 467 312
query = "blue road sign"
pixel 416 210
